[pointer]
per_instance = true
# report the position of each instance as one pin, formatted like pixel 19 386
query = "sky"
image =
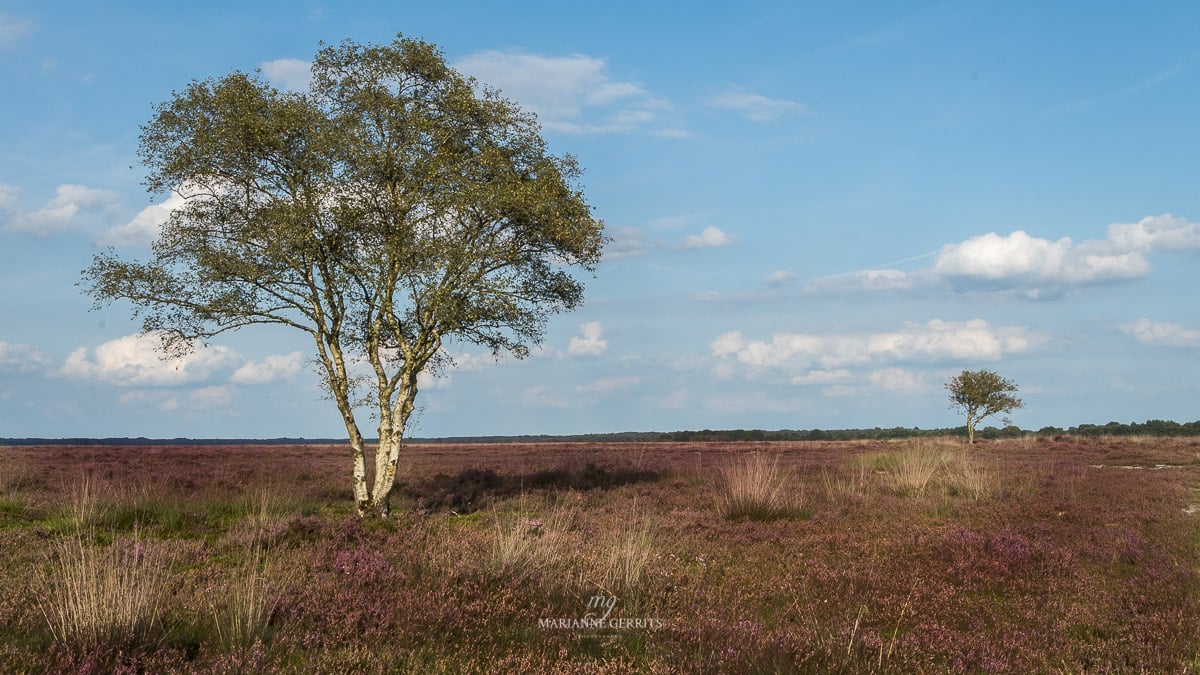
pixel 818 214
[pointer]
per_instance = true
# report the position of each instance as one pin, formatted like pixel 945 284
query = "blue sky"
pixel 818 215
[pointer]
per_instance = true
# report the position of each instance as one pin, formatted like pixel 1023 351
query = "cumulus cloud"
pixel 73 207
pixel 572 94
pixel 136 360
pixel 590 342
pixel 709 237
pixel 1155 233
pixel 274 367
pixel 1025 260
pixel 896 381
pixel 143 229
pixel 293 74
pixel 1162 334
pixel 755 107
pixel 933 342
pixel 21 358
pixel 1037 267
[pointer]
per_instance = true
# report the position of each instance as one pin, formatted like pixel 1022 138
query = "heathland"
pixel 1047 553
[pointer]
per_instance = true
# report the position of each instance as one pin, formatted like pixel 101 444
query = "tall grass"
pixel 525 544
pixel 755 488
pixel 243 606
pixel 622 565
pixel 969 476
pixel 914 469
pixel 113 595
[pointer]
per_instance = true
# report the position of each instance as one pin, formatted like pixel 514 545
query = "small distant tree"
pixel 981 394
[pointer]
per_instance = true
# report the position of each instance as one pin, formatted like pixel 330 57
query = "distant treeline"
pixel 1149 428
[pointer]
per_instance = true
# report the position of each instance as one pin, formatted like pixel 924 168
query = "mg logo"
pixel 600 603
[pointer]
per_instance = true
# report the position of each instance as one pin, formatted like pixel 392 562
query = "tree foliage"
pixel 981 394
pixel 393 207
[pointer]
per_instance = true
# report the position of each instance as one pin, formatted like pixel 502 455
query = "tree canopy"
pixel 981 394
pixel 393 207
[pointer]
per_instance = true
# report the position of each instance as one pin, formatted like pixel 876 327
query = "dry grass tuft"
pixel 968 476
pixel 755 488
pixel 525 544
pixel 85 506
pixel 112 595
pixel 242 607
pixel 913 470
pixel 623 564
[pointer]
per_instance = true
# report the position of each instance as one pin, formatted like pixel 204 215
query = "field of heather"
pixel 1046 554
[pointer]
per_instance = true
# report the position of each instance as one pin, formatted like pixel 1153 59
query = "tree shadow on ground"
pixel 474 489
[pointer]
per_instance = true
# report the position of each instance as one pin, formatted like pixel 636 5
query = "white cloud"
pixel 274 367
pixel 8 197
pixel 1025 260
pixel 136 360
pixel 542 396
pixel 467 362
pixel 709 237
pixel 13 29
pixel 573 94
pixel 933 342
pixel 865 281
pixel 756 107
pixel 1155 233
pixel 1162 334
pixel 779 278
pixel 207 398
pixel 204 398
pixel 608 385
pixel 293 74
pixel 427 380
pixel 590 343
pixel 896 381
pixel 21 358
pixel 73 207
pixel 145 226
pixel 821 377
pixel 627 242
pixel 1038 268
pixel 676 400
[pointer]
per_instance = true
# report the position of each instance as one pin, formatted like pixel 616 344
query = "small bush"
pixel 755 488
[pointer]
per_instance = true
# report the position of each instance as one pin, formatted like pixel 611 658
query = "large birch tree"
pixel 392 208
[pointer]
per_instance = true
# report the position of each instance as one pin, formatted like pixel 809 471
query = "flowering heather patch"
pixel 1067 555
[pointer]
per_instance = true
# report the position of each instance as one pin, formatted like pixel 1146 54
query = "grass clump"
pixel 93 596
pixel 756 488
pixel 243 605
pixel 525 544
pixel 622 565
